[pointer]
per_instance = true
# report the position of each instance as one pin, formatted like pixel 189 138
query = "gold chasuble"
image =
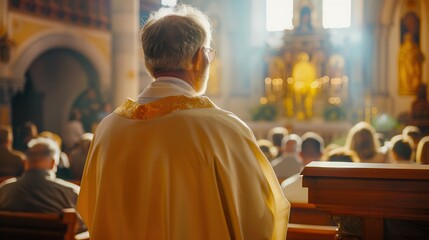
pixel 179 168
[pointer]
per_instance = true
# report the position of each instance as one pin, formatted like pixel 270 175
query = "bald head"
pixel 43 153
pixel 291 144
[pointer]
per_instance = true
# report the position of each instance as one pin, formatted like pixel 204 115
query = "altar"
pixel 308 74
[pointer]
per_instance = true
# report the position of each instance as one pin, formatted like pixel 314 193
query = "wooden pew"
pixel 307 213
pixel 308 222
pixel 4 178
pixel 35 226
pixel 310 232
pixel 374 192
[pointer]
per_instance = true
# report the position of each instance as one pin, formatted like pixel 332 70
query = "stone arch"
pixel 54 39
pixel 58 40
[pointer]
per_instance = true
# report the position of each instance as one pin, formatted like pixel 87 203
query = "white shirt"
pixel 287 165
pixel 165 87
pixel 72 133
pixel 293 189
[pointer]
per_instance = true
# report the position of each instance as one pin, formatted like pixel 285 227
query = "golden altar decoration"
pixel 306 77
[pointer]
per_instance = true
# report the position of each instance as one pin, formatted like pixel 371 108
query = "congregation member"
pixel 171 164
pixel 11 160
pixel 78 156
pixel 362 139
pixel 73 130
pixel 312 148
pixel 401 150
pixel 384 148
pixel 269 150
pixel 415 134
pixel 38 189
pixel 276 135
pixel 290 162
pixel 63 168
pixel 340 154
pixel 26 133
pixel 422 153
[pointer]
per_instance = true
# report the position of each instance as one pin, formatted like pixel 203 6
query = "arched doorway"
pixel 56 78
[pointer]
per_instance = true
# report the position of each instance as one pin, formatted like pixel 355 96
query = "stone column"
pixel 125 50
pixel 4 87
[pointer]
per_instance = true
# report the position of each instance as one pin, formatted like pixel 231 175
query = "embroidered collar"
pixel 133 110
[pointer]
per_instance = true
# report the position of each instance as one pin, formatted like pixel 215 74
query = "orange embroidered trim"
pixel 133 110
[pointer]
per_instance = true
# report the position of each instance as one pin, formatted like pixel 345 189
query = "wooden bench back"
pixel 4 178
pixel 34 226
pixel 306 213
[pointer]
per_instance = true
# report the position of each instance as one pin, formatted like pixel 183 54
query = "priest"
pixel 173 165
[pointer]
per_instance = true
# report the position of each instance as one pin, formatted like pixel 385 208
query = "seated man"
pixel 78 155
pixel 63 166
pixel 289 163
pixel 415 134
pixel 11 161
pixel 267 147
pixel 38 189
pixel 311 150
pixel 401 149
pixel 276 135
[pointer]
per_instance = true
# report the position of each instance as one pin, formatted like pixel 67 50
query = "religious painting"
pixel 410 57
pixel 305 25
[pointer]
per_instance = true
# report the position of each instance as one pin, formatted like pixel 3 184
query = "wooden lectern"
pixel 371 191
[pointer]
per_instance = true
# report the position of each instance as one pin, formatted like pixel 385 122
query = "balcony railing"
pixel 88 13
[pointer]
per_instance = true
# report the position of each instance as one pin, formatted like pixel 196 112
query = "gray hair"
pixel 171 37
pixel 51 146
pixel 295 138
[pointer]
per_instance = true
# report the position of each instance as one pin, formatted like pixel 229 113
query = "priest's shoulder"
pixel 225 117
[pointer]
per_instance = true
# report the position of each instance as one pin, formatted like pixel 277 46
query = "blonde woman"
pixel 423 151
pixel 362 140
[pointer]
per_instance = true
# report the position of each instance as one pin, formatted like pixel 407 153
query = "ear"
pixel 52 164
pixel 198 58
pixel 26 164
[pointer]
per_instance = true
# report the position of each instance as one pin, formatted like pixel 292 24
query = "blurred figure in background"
pixel 63 168
pixel 415 134
pixel 26 133
pixel 276 135
pixel 11 161
pixel 340 154
pixel 312 147
pixel 78 155
pixel 311 150
pixel 73 130
pixel 422 155
pixel 269 150
pixel 401 149
pixel 38 189
pixel 362 140
pixel 289 163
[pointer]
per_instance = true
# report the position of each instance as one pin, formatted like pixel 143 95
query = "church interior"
pixel 298 63
pixel 318 66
